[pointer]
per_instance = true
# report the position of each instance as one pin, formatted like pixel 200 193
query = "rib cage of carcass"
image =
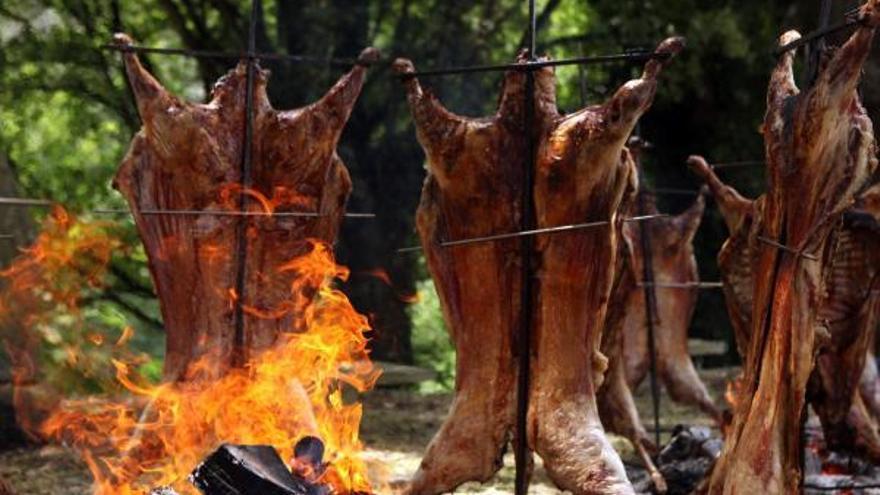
pixel 805 269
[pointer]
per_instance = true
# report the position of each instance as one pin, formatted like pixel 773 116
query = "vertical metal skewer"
pixel 240 343
pixel 817 46
pixel 650 294
pixel 527 222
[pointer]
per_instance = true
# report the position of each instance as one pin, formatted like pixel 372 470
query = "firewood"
pixel 249 470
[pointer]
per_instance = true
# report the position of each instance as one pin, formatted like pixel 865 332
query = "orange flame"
pixel 384 277
pixel 155 435
pixel 294 389
pixel 40 319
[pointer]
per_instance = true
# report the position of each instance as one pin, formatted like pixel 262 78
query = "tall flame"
pixel 154 435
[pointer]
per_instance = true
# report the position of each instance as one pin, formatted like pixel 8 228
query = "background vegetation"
pixel 66 116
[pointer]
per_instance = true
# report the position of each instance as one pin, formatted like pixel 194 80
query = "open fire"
pixel 155 435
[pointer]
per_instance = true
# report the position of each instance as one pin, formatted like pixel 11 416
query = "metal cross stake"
pixel 817 46
pixel 527 222
pixel 240 342
pixel 650 294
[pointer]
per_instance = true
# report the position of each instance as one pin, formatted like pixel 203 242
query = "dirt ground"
pixel 397 426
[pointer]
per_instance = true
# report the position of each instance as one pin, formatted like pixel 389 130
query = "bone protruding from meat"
pixel 473 188
pixel 583 171
pixel 733 206
pixel 188 156
pixel 820 151
pixel 735 257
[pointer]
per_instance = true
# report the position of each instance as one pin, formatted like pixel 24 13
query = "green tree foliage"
pixel 66 116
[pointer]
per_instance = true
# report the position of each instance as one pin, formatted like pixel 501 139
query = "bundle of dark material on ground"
pixel 685 460
pixel 258 469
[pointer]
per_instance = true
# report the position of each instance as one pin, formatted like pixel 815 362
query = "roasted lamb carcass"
pixel 820 153
pixel 843 385
pixel 188 156
pixel 583 172
pixel 675 272
pixel 473 189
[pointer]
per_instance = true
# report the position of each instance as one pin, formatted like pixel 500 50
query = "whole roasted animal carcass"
pixel 676 275
pixel 843 386
pixel 474 189
pixel 820 153
pixel 188 157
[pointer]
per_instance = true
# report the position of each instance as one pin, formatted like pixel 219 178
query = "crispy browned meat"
pixel 849 311
pixel 473 188
pixel 188 156
pixel 735 260
pixel 820 152
pixel 674 263
pixel 617 408
pixel 582 173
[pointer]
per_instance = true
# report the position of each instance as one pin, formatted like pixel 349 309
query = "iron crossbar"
pixel 787 249
pixel 36 203
pixel 229 213
pixel 534 65
pixel 671 191
pixel 533 232
pixel 738 164
pixel 546 230
pixel 682 285
pixel 222 55
pixel 852 18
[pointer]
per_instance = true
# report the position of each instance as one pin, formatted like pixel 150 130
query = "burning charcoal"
pixel 162 490
pixel 308 459
pixel 249 470
pixel 686 459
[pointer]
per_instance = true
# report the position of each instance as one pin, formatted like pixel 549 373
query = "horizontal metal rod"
pixel 744 163
pixel 547 230
pixel 229 213
pixel 820 33
pixel 212 54
pixel 411 249
pixel 535 65
pixel 787 249
pixel 6 237
pixel 673 191
pixel 28 202
pixel 841 487
pixel 24 202
pixel 683 285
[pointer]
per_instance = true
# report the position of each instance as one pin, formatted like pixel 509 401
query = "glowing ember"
pixel 156 434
